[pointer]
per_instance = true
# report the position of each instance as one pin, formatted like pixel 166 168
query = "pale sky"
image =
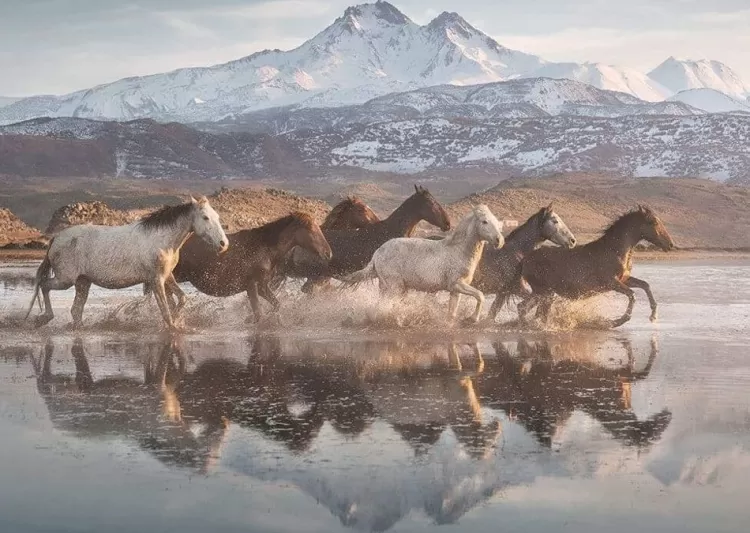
pixel 58 46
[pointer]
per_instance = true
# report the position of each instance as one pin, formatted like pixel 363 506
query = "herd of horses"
pixel 187 243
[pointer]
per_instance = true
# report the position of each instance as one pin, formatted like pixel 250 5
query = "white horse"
pixel 115 257
pixel 436 265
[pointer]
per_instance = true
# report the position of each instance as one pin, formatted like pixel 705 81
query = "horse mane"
pixel 536 217
pixel 269 233
pixel 626 219
pixel 339 209
pixel 166 216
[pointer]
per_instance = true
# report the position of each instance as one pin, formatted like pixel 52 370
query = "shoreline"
pixel 14 256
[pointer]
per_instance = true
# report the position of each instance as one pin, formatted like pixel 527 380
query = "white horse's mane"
pixel 465 226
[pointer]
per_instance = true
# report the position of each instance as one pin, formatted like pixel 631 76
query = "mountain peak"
pixel 451 21
pixel 380 10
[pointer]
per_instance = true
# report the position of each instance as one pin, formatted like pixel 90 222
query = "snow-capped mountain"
pixel 519 98
pixel 711 101
pixel 681 75
pixel 7 100
pixel 607 77
pixel 373 49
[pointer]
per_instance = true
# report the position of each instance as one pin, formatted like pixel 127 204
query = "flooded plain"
pixel 349 414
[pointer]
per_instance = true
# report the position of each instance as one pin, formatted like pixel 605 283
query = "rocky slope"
pixel 14 230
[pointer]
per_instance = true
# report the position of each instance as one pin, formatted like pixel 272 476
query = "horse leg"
pixel 453 301
pixel 462 287
pixel 544 308
pixel 627 291
pixel 83 285
pixel 635 283
pixel 161 300
pixel 265 291
pixel 173 288
pixel 51 284
pixel 526 305
pixel 497 305
pixel 252 294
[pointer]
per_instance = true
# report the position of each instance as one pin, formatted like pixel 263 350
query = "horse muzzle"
pixel 499 242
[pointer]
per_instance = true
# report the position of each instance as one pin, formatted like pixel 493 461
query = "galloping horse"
pixel 115 257
pixel 251 261
pixel 430 266
pixel 600 266
pixel 350 213
pixel 353 249
pixel 499 268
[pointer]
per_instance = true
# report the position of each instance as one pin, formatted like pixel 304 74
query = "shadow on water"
pixel 475 420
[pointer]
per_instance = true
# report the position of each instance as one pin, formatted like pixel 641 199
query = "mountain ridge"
pixel 369 51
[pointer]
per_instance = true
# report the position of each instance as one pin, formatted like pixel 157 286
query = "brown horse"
pixel 600 266
pixel 353 249
pixel 250 261
pixel 350 213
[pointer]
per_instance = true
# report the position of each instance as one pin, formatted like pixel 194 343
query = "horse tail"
pixel 42 275
pixel 355 279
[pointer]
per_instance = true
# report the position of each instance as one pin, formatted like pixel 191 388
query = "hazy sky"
pixel 57 46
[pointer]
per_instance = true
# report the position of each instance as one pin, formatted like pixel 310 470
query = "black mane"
pixel 167 216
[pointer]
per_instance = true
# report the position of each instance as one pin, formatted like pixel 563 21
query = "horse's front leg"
pixel 453 301
pixel 265 291
pixel 635 283
pixel 462 287
pixel 526 305
pixel 160 295
pixel 620 287
pixel 173 288
pixel 83 285
pixel 252 294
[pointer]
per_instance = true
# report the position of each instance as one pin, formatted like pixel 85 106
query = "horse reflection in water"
pixel 446 402
pixel 146 412
pixel 546 382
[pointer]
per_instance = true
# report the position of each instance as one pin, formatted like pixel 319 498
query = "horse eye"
pixel 485 222
pixel 205 217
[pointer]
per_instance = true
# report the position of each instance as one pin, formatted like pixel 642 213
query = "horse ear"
pixel 549 207
pixel 193 200
pixel 416 188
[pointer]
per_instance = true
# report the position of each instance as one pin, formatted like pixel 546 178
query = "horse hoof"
pixel 471 321
pixel 42 320
pixel 654 317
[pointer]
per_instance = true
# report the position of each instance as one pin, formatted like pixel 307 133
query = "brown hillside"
pixel 698 213
pixel 13 229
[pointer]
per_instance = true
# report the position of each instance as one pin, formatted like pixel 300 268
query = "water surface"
pixel 311 425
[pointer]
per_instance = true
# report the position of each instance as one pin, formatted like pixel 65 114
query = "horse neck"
pixel 174 236
pixel 621 242
pixel 525 238
pixel 470 243
pixel 284 245
pixel 403 221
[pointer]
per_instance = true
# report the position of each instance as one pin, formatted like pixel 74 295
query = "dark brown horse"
pixel 600 266
pixel 350 213
pixel 353 249
pixel 250 261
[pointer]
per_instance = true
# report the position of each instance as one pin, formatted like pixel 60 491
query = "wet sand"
pixel 334 419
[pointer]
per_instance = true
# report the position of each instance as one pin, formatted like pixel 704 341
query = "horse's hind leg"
pixel 526 305
pixel 161 300
pixel 50 284
pixel 635 283
pixel 83 285
pixel 544 308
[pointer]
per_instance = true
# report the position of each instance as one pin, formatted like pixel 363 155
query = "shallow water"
pixel 332 419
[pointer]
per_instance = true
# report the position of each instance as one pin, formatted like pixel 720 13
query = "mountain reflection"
pixel 451 405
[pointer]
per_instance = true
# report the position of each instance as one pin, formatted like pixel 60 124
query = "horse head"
pixel 653 230
pixel 488 227
pixel 308 235
pixel 554 229
pixel 207 225
pixel 429 209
